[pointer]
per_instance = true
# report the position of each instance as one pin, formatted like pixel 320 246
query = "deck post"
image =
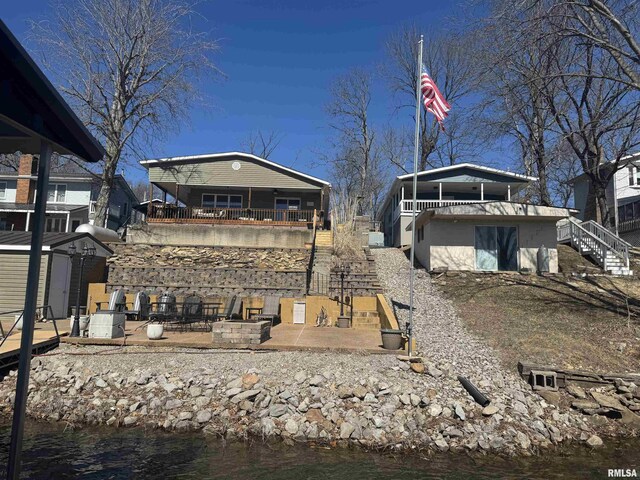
pixel 177 192
pixel 249 199
pixel 26 227
pixel 29 312
pixel 482 192
pixel 440 194
pixel 509 193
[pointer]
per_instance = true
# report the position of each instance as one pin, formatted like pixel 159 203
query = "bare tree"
pixel 262 144
pixel 129 67
pixel 610 26
pixel 448 62
pixel 354 152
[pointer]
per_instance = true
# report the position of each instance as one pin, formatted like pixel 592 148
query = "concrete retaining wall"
pixel 220 235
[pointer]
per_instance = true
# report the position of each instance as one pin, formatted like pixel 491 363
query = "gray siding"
pixel 13 281
pixel 221 173
pixel 259 198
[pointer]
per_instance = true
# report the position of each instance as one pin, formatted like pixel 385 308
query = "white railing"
pixel 592 239
pixel 407 205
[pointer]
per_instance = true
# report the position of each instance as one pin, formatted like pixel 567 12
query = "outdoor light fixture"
pixel 87 252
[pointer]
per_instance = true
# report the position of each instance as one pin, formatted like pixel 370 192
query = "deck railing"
pixel 247 216
pixel 406 206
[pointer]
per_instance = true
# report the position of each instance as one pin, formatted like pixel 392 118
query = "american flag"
pixel 433 100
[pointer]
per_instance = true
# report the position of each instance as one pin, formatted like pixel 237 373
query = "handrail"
pixel 8 334
pixel 606 232
pixel 617 246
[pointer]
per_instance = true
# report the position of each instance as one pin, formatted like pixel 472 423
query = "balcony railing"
pixel 406 205
pixel 236 216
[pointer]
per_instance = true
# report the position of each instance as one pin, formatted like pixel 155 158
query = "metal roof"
pixel 32 110
pixel 49 240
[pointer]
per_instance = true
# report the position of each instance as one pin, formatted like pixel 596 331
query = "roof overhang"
pixel 32 110
pixel 62 245
pixel 494 210
pixel 226 155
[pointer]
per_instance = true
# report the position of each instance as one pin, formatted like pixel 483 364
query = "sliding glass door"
pixel 496 248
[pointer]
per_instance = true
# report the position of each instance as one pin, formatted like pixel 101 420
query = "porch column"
pixel 177 193
pixel 509 192
pixel 150 198
pixel 482 191
pixel 440 194
pixel 249 199
pixel 401 198
pixel 66 229
pixel 26 227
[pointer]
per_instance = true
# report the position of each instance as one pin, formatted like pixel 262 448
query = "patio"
pixel 283 337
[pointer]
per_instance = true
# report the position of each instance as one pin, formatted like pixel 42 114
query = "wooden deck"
pixel 44 339
pixel 283 337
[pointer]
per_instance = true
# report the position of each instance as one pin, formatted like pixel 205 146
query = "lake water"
pixel 50 452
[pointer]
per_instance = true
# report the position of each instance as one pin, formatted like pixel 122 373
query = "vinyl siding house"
pixel 235 188
pixel 70 202
pixel 623 198
pixel 454 185
pixel 469 220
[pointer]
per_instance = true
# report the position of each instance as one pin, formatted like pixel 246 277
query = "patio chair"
pixel 270 311
pixel 191 311
pixel 231 309
pixel 141 307
pixel 117 302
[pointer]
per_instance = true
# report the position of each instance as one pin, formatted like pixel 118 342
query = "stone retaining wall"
pixel 240 333
pixel 207 282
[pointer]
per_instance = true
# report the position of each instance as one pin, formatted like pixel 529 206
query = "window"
pixel 287 203
pixel 55 224
pixel 219 200
pixel 74 225
pixel 57 193
pixel 3 190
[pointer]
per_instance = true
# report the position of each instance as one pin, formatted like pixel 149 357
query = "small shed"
pixel 59 273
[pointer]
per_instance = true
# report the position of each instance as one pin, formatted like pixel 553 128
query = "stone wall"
pixel 207 282
pixel 208 271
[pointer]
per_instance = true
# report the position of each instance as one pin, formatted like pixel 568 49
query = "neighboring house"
pixel 467 221
pixel 70 202
pixel 59 274
pixel 235 189
pixel 453 185
pixel 623 198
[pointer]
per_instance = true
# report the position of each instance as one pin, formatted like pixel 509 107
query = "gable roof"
pixel 479 168
pixel 227 155
pixel 451 168
pixel 13 240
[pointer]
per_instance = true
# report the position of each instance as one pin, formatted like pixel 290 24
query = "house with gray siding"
pixel 235 188
pixel 470 218
pixel 70 202
pixel 622 196
pixel 440 187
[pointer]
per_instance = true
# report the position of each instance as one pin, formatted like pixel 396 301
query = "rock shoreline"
pixel 243 395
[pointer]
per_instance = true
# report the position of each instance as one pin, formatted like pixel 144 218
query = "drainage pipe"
pixel 474 392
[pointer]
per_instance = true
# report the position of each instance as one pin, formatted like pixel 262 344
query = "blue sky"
pixel 279 58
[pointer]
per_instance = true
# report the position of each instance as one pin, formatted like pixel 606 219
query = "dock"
pixel 45 338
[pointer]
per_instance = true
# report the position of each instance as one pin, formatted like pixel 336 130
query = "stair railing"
pixel 617 244
pixel 584 239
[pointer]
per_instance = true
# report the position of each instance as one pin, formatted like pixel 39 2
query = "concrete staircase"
pixel 593 240
pixel 361 278
pixel 321 267
pixel 365 320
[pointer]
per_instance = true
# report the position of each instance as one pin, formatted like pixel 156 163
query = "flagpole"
pixel 412 258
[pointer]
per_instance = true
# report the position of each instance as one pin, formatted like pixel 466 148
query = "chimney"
pixel 25 186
